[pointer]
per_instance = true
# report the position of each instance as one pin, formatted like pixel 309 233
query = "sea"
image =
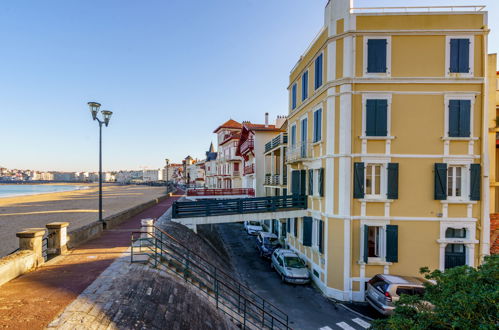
pixel 11 190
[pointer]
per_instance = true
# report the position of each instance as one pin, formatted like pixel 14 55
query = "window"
pixel 304 86
pixel 373 180
pixel 318 125
pixel 318 234
pixel 318 71
pixel 460 55
pixel 376 119
pixel 304 134
pixel 455 182
pixel 377 55
pixel 293 136
pixel 455 233
pixel 293 97
pixel 375 242
pixel 459 118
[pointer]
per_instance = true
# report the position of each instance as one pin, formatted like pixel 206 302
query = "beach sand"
pixel 79 207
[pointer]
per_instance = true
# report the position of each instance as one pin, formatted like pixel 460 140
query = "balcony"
pixel 299 152
pixel 274 180
pixel 221 192
pixel 277 141
pixel 236 173
pixel 247 146
pixel 249 169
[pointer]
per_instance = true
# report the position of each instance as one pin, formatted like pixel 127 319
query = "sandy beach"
pixel 79 207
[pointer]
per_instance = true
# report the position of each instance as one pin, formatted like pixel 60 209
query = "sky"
pixel 170 70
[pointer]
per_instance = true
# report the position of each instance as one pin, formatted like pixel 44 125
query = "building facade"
pixel 388 136
pixel 228 162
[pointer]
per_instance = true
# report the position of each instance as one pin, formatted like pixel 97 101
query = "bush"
pixel 463 298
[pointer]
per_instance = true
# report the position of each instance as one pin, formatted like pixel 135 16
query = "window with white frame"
pixel 315 233
pixel 293 136
pixel 375 242
pixel 456 176
pixel 460 55
pixel 317 125
pixel 377 56
pixel 374 180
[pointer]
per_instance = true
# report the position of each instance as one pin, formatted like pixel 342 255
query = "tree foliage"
pixel 462 298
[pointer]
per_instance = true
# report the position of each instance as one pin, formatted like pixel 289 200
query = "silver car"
pixel 384 290
pixel 290 267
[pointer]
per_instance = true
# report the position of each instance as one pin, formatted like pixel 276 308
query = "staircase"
pixel 244 307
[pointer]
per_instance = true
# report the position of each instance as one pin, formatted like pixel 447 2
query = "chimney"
pixel 266 119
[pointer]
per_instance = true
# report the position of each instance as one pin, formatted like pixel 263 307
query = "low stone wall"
pixel 82 234
pixel 16 264
pixel 116 219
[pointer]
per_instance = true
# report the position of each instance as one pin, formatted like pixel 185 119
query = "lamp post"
pixel 106 116
pixel 167 161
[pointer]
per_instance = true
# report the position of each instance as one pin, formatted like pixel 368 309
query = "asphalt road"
pixel 305 305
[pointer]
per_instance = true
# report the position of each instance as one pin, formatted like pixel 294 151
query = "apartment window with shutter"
pixel 317 125
pixel 380 243
pixel 459 118
pixel 377 55
pixel 459 55
pixel 304 86
pixel 318 71
pixel 376 117
pixel 293 97
pixel 293 136
pixel 455 182
pixel 375 234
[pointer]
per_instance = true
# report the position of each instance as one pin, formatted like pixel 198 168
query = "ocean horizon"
pixel 13 190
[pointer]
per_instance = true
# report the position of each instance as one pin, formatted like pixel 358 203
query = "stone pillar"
pixel 57 238
pixel 31 239
pixel 147 228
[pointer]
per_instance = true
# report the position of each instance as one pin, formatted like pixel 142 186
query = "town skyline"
pixel 151 120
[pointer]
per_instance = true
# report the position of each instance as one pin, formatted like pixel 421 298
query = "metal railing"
pixel 416 9
pixel 249 169
pixel 237 301
pixel 206 208
pixel 221 192
pixel 277 141
pixel 247 145
pixel 299 151
pixel 272 180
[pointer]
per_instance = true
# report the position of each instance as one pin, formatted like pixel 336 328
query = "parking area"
pixel 305 306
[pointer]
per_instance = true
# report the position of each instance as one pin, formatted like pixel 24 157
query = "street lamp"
pixel 167 161
pixel 106 115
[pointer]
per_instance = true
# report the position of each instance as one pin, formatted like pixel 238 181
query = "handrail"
pixel 412 8
pixel 209 263
pixel 231 293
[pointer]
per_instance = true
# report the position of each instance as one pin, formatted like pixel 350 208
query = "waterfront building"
pixel 251 147
pixel 152 175
pixel 228 162
pixel 388 134
pixel 211 167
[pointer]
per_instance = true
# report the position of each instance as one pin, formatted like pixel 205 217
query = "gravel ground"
pixel 77 207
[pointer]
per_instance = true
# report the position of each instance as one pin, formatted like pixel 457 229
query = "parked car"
pixel 253 227
pixel 266 243
pixel 384 290
pixel 290 267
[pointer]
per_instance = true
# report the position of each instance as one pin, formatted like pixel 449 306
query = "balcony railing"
pixel 247 146
pixel 206 208
pixel 249 169
pixel 236 173
pixel 274 180
pixel 221 192
pixel 277 141
pixel 300 151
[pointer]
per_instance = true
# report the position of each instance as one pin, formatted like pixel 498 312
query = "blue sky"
pixel 171 71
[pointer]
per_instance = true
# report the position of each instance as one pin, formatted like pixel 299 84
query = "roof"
pixel 211 156
pixel 229 124
pixel 261 127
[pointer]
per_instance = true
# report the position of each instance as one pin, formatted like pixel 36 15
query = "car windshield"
pixel 294 262
pixel 254 223
pixel 270 241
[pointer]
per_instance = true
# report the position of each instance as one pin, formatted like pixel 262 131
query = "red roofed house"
pixel 228 163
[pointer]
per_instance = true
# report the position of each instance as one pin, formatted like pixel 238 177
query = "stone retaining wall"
pixel 16 264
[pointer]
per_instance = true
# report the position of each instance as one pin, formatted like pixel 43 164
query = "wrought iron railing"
pixel 300 151
pixel 247 309
pixel 277 141
pixel 206 208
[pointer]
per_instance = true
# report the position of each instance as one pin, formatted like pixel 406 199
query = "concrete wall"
pixel 16 264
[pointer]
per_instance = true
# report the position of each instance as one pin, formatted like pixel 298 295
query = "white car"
pixel 290 266
pixel 253 227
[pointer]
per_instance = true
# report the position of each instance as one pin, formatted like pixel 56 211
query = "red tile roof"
pixel 229 124
pixel 262 127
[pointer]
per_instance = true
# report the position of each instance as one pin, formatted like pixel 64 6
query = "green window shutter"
pixel 376 55
pixel 295 182
pixel 321 236
pixel 440 181
pixel 303 182
pixel 464 118
pixel 454 115
pixel 454 55
pixel 365 254
pixel 310 182
pixel 358 180
pixel 393 181
pixel 392 243
pixel 475 180
pixel 307 231
pixel 464 55
pixel 371 106
pixel 295 223
pixel 321 182
pixel 381 117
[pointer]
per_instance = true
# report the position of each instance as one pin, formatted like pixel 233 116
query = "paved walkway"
pixel 33 300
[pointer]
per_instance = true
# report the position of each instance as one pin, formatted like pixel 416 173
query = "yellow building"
pixel 388 133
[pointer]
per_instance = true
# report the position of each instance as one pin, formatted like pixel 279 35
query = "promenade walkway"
pixel 33 300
